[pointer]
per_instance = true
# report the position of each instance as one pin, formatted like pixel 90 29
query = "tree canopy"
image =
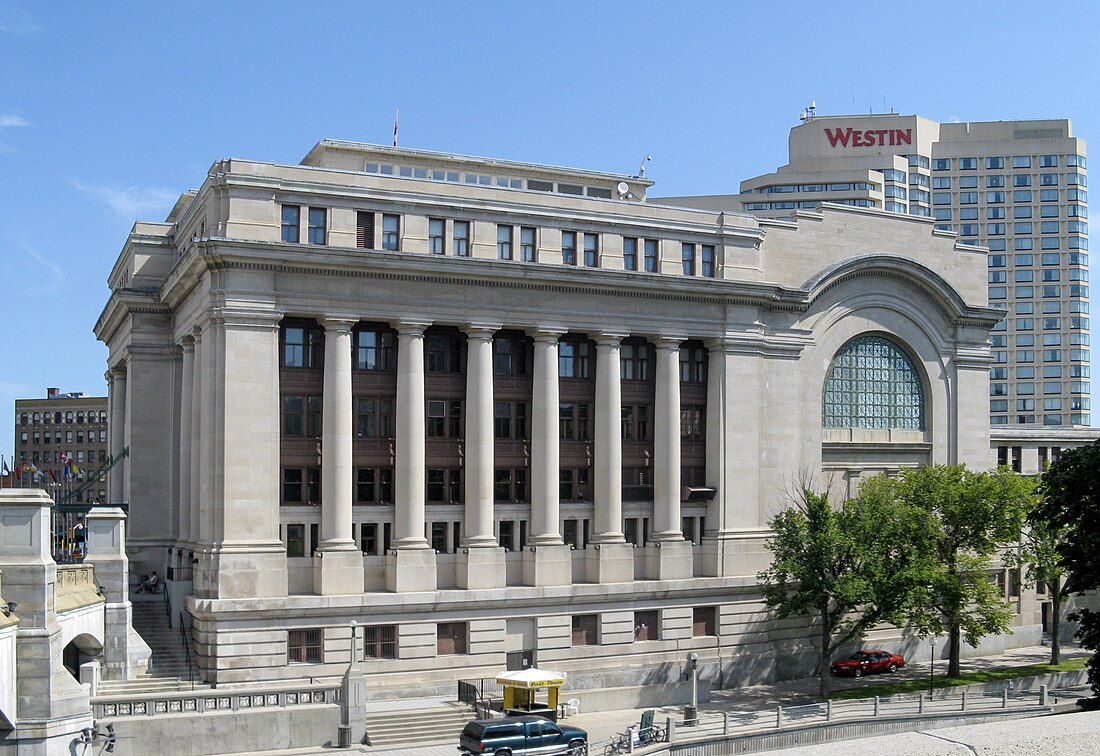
pixel 1071 507
pixel 847 569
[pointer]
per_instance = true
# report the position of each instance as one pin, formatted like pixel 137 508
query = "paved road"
pixel 759 703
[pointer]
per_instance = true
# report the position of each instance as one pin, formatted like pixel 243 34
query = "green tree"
pixel 848 569
pixel 975 514
pixel 1040 556
pixel 1071 507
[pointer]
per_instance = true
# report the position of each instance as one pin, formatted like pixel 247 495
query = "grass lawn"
pixel 969 678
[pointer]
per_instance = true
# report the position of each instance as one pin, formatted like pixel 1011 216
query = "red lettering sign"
pixel 868 137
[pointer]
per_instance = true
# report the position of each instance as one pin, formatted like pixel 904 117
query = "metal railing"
pixel 185 637
pixel 257 697
pixel 871 712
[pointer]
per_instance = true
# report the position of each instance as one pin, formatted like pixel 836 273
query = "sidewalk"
pixel 602 725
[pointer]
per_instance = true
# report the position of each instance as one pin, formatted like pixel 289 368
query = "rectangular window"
pixel 296 540
pixel 527 245
pixel 630 253
pixel 461 238
pixel 585 627
pixel 318 225
pixel 374 350
pixel 450 638
pixel 364 230
pixel 646 626
pixel 380 642
pixel 291 223
pixel 304 646
pixel 569 247
pixel 708 260
pixel 391 232
pixel 651 254
pixel 504 242
pixel 437 228
pixel 591 250
pixel 687 258
pixel 703 621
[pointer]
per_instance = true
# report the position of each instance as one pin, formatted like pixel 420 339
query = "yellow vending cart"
pixel 523 692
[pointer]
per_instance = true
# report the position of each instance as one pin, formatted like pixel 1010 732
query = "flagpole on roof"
pixel 396 113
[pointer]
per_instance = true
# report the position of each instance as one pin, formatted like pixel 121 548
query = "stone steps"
pixel 433 725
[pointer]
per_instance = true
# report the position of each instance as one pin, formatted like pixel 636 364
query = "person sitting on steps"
pixel 151 584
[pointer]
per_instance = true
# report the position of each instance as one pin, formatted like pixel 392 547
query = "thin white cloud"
pixel 53 267
pixel 133 202
pixel 8 120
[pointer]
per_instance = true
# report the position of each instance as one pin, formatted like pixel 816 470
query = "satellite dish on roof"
pixel 622 188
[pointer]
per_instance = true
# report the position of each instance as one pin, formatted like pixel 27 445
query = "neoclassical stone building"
pixel 495 411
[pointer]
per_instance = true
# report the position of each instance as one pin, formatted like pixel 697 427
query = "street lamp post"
pixel 691 713
pixel 931 665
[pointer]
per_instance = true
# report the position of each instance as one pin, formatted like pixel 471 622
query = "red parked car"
pixel 865 662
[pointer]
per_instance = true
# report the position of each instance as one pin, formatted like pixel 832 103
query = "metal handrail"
pixel 187 652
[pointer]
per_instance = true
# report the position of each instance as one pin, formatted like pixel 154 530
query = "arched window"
pixel 871 383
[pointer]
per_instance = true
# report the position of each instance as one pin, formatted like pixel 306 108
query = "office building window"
pixel 364 230
pixel 688 259
pixel 391 232
pixel 527 244
pixel 291 223
pixel 651 249
pixel 374 350
pixel 574 358
pixel 450 638
pixel 509 356
pixel 646 626
pixel 318 223
pixel 584 627
pixel 569 247
pixel 380 642
pixel 437 232
pixel 374 485
pixel 703 621
pixel 630 253
pixel 296 540
pixel 871 383
pixel 443 352
pixel 460 242
pixel 303 346
pixel 591 250
pixel 707 261
pixel 504 242
pixel 304 646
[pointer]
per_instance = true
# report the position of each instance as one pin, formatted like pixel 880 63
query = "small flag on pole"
pixel 396 113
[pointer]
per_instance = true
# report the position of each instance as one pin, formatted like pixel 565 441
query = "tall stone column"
pixel 187 383
pixel 669 556
pixel 611 558
pixel 244 556
pixel 411 565
pixel 117 397
pixel 666 447
pixel 733 543
pixel 479 437
pixel 547 560
pixel 338 564
pixel 196 454
pixel 481 563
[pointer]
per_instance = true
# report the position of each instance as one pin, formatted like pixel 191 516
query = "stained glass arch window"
pixel 872 383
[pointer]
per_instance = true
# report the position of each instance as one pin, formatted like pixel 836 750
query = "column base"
pixel 338 572
pixel 548 565
pixel 668 560
pixel 241 571
pixel 481 568
pixel 410 570
pixel 609 563
pixel 735 554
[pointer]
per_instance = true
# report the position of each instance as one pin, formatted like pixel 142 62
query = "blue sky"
pixel 109 110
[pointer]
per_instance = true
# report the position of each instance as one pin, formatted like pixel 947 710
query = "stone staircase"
pixel 438 723
pixel 168 670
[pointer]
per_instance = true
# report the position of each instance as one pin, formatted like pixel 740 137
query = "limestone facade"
pixel 491 410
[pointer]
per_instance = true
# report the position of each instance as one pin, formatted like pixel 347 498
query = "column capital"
pixel 187 343
pixel 483 331
pixel 664 341
pixel 338 323
pixel 546 334
pixel 116 372
pixel 608 338
pixel 411 327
